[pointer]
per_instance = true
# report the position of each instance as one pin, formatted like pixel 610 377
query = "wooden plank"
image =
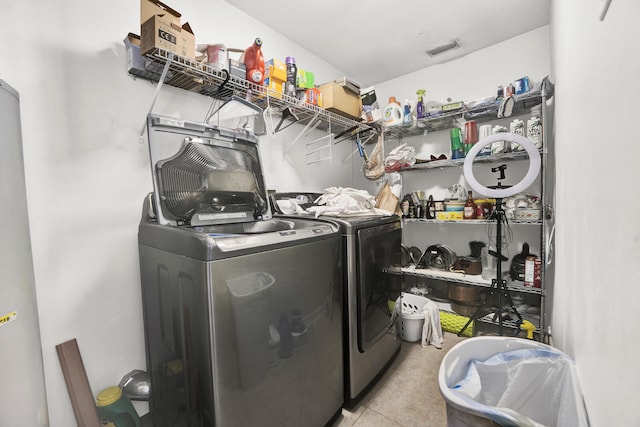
pixel 75 376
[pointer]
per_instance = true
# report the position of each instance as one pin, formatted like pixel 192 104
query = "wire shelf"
pixel 468 279
pixel 193 76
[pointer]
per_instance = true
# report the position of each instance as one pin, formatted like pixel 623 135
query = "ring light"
pixel 498 193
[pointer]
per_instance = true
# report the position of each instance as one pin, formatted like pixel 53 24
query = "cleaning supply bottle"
pixel 292 73
pixel 115 407
pixel 392 115
pixel 407 117
pixel 420 113
pixel 254 61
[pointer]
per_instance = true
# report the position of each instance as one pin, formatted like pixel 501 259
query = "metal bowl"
pixel 136 385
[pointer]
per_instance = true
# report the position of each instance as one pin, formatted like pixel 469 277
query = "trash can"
pixel 510 381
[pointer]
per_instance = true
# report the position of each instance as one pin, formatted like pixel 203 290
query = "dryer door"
pixel 379 280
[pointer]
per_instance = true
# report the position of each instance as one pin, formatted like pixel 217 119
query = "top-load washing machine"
pixel 372 280
pixel 242 311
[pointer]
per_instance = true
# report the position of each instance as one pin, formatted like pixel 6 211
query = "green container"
pixel 115 407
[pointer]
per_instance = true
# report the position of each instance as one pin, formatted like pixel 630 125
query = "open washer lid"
pixel 204 175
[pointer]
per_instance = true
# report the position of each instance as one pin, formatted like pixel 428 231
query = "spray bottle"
pixel 420 104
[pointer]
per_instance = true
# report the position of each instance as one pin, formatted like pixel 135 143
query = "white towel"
pixel 432 329
pixel 340 201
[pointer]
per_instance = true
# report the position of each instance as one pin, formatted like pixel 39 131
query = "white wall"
pixel 596 66
pixel 87 168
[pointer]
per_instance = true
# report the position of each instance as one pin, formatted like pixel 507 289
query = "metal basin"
pixel 259 227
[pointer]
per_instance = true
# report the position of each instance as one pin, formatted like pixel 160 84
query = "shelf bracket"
pixel 287 113
pixel 308 128
pixel 320 148
pixel 163 76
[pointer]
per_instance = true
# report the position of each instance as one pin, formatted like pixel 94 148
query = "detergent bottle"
pixel 420 113
pixel 254 61
pixel 392 115
pixel 114 406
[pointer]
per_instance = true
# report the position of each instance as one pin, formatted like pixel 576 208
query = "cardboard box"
pixel 150 8
pixel 274 86
pixel 160 28
pixel 274 68
pixel 313 96
pixel 337 99
pixel 305 79
pixel 532 272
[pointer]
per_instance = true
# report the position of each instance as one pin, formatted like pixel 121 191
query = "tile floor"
pixel 407 394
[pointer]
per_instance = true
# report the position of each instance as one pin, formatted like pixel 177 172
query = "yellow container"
pixel 115 407
pixel 274 87
pixel 275 69
pixel 449 216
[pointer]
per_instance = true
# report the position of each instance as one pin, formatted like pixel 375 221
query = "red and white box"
pixel 532 275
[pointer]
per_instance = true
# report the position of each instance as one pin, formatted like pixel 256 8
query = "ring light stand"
pixel 499 285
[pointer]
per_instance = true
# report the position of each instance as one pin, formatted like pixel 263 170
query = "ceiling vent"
pixel 440 49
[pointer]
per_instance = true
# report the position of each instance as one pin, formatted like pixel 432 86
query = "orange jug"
pixel 254 61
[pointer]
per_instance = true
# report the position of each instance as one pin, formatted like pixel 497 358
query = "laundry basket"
pixel 410 316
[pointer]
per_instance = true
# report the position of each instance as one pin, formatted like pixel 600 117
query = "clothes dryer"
pixel 371 260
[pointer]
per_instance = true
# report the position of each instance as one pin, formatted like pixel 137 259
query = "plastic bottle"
pixel 469 207
pixel 392 113
pixel 457 145
pixel 534 128
pixel 516 127
pixel 420 104
pixel 484 132
pixel 498 147
pixel 115 407
pixel 254 61
pixel 292 72
pixel 407 118
pixel 470 135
